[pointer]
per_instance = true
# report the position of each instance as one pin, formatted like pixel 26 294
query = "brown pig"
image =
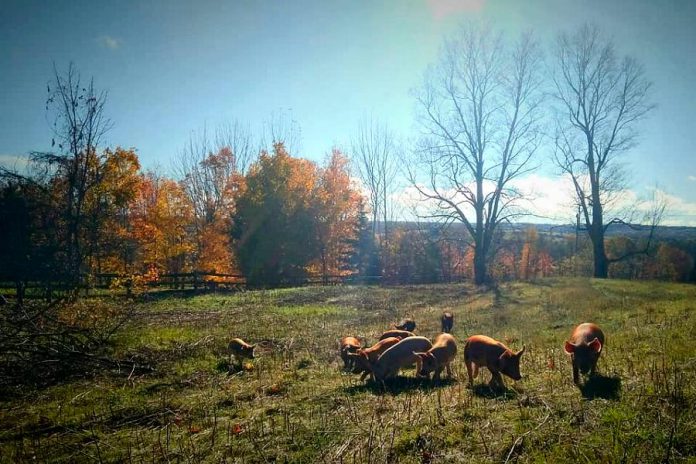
pixel 364 359
pixel 584 347
pixel 348 345
pixel 482 351
pixel 407 324
pixel 438 357
pixel 400 334
pixel 398 356
pixel 240 349
pixel 447 321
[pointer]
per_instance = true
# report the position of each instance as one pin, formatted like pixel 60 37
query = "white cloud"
pixel 692 178
pixel 109 42
pixel 678 212
pixel 551 200
pixel 547 199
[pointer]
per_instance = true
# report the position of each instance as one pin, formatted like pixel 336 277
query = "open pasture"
pixel 293 403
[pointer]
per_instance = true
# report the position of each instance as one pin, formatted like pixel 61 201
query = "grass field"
pixel 294 404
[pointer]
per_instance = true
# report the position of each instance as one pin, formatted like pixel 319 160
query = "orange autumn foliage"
pixel 337 215
pixel 161 217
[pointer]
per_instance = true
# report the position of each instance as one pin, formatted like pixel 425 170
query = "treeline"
pixel 426 253
pixel 81 211
pixel 284 220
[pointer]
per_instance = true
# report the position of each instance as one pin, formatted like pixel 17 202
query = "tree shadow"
pixel 540 283
pixel 599 386
pixel 400 384
pixel 183 294
pixel 483 390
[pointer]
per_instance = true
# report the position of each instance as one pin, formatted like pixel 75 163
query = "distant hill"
pixel 616 230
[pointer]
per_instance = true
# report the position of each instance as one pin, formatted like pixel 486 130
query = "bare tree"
pixel 281 127
pixel 237 137
pixel 601 98
pixel 79 125
pixel 374 155
pixel 479 113
pixel 210 169
pixel 208 165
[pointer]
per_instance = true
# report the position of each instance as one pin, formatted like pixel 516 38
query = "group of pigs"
pixel 400 347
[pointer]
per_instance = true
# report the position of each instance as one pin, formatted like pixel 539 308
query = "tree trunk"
pixel 601 263
pixel 480 276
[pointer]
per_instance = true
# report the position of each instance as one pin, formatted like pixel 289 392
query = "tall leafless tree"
pixel 237 137
pixel 479 114
pixel 281 127
pixel 207 164
pixel 600 99
pixel 374 156
pixel 79 124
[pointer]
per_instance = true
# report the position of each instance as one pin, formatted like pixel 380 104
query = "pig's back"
pixel 586 332
pixel 381 346
pixel 481 346
pixel 405 349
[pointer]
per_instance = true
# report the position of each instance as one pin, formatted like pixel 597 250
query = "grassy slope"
pixel 294 403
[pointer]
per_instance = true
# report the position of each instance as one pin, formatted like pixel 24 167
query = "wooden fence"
pixel 203 281
pixel 173 282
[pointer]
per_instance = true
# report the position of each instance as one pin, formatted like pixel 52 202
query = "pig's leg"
pixel 469 372
pixel 438 371
pixel 419 366
pixel 576 373
pixel 496 380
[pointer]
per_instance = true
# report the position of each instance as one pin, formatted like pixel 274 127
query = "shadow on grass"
pixel 399 384
pixel 541 283
pixel 599 386
pixel 482 390
pixel 225 366
pixel 184 294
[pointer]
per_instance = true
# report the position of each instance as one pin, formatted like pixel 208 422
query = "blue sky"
pixel 172 67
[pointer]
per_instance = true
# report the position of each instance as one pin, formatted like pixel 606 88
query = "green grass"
pixel 293 403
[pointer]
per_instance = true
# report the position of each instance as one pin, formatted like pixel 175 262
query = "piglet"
pixel 348 345
pixel 407 324
pixel 447 321
pixel 482 351
pixel 438 357
pixel 240 349
pixel 584 347
pixel 398 356
pixel 364 359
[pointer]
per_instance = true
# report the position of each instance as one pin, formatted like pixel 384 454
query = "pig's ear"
pixel 569 348
pixel 596 345
pixel 519 353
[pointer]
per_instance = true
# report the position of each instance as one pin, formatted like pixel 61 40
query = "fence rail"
pixel 182 281
pixel 188 281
